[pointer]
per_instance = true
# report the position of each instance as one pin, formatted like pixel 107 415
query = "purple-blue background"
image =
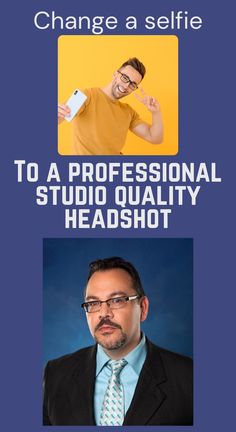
pixel 207 133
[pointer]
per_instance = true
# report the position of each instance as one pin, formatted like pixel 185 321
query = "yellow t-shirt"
pixel 101 126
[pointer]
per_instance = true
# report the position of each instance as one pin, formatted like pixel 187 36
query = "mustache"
pixel 106 321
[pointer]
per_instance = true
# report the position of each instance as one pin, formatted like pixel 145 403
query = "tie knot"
pixel 117 366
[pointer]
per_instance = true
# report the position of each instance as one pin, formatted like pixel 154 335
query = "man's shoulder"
pixel 171 369
pixel 67 361
pixel 169 358
pixel 92 91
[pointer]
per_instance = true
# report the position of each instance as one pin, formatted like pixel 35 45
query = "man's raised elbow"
pixel 157 140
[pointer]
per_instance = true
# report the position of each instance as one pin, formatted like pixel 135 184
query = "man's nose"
pixel 105 310
pixel 126 85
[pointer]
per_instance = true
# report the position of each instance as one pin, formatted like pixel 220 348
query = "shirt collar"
pixel 135 358
pixel 102 359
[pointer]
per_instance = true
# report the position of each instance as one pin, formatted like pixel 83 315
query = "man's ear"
pixel 115 74
pixel 144 304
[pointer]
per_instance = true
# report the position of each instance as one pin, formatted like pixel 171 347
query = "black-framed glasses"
pixel 125 79
pixel 112 303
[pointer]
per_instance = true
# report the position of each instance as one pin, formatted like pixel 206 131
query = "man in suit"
pixel 124 379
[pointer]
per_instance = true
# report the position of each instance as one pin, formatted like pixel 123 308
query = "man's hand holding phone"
pixel 62 112
pixel 69 110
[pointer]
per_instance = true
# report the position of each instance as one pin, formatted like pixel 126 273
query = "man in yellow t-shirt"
pixel 102 123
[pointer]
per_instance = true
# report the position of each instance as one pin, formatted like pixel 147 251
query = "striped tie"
pixel 112 413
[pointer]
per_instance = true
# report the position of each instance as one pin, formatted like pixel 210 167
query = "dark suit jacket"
pixel 163 395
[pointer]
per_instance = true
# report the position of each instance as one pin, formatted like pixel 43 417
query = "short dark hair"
pixel 136 64
pixel 117 263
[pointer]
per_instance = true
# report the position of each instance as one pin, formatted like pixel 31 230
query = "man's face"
pixel 119 88
pixel 115 329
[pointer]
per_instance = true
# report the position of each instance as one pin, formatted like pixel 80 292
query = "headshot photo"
pixel 117 95
pixel 117 332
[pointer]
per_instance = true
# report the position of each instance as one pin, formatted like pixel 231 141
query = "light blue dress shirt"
pixel 129 375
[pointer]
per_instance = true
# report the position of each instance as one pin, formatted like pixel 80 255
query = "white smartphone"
pixel 75 102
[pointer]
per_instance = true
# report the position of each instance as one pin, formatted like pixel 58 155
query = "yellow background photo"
pixel 90 61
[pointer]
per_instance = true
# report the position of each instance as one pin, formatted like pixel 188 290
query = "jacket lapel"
pixel 81 391
pixel 148 396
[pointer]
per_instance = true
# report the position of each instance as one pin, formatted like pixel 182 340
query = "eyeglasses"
pixel 125 79
pixel 113 303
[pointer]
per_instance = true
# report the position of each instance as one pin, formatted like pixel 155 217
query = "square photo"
pixel 117 95
pixel 118 332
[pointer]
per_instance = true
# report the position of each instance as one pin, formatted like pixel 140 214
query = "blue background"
pixel 207 133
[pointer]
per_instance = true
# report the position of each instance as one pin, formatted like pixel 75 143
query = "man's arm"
pixel 154 132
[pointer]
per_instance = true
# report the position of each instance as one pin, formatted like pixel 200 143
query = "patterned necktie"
pixel 112 413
